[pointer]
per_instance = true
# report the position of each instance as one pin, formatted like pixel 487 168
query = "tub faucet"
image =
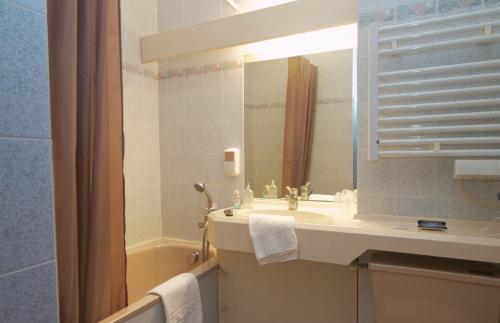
pixel 293 199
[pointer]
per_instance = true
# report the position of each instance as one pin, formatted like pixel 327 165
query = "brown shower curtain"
pixel 86 111
pixel 299 121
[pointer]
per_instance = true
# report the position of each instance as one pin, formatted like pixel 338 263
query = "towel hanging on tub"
pixel 181 299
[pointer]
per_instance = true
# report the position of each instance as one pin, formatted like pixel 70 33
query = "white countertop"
pixel 332 232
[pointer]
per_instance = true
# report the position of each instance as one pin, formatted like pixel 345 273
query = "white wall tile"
pixel 141 125
pixel 231 107
pixel 28 289
pixel 417 186
pixel 196 137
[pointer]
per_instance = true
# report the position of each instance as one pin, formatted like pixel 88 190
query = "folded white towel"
pixel 273 237
pixel 181 299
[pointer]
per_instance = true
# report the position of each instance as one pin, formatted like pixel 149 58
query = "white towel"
pixel 181 299
pixel 273 237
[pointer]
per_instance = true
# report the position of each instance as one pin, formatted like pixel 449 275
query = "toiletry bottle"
pixel 236 200
pixel 273 190
pixel 266 192
pixel 248 197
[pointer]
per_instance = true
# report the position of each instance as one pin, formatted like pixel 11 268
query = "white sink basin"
pixel 300 216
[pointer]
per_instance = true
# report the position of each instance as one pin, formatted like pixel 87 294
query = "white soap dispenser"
pixel 273 190
pixel 248 197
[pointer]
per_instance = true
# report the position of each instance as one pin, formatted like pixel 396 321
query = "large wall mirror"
pixel 300 123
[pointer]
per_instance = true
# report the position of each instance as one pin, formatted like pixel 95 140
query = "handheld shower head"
pixel 205 247
pixel 200 187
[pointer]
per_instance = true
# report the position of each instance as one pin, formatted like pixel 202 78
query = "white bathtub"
pixel 150 264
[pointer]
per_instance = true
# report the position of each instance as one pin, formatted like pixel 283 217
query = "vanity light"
pixel 233 4
pixel 319 41
pixel 257 5
pixel 272 22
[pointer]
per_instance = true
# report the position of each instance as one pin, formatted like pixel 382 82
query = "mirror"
pixel 300 118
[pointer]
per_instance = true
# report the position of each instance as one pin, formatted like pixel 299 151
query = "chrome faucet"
pixel 305 191
pixel 293 199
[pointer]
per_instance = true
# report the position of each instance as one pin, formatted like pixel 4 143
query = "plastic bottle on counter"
pixel 236 200
pixel 248 197
pixel 273 190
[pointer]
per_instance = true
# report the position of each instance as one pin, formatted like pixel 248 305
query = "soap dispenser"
pixel 273 190
pixel 248 197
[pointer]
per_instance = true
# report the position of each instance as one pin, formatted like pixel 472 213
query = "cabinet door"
pixel 290 292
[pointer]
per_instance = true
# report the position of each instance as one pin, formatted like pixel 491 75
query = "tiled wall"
pixel 417 186
pixel 141 127
pixel 27 257
pixel 201 114
pixel 200 100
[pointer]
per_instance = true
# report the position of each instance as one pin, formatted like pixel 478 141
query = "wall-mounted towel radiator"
pixel 448 102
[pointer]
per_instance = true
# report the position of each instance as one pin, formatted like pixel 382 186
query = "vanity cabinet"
pixel 290 292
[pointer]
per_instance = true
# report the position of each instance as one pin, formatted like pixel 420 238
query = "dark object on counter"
pixel 229 212
pixel 432 225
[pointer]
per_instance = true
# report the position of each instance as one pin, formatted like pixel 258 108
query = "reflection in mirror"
pixel 299 123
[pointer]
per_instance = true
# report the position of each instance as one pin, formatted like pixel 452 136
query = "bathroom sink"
pixel 300 216
pixel 332 232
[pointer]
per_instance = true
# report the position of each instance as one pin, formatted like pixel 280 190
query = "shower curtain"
pixel 299 121
pixel 86 112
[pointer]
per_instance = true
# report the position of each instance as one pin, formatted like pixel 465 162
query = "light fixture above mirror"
pixel 276 22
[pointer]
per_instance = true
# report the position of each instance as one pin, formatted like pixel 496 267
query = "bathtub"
pixel 154 262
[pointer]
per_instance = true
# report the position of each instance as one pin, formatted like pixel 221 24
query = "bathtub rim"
pixel 149 301
pixel 161 242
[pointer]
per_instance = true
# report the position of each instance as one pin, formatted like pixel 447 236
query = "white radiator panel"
pixel 434 110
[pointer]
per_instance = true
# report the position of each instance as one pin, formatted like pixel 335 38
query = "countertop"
pixel 332 232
